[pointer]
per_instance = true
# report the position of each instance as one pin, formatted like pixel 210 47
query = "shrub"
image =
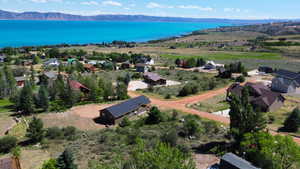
pixel 168 96
pixel 155 116
pixel 7 143
pixel 170 138
pixel 125 122
pixel 240 79
pixel 69 132
pixel 35 132
pixel 54 133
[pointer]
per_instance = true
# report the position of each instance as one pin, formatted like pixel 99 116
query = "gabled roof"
pixel 50 75
pixel 141 65
pixel 128 106
pixel 52 60
pixel 152 76
pixel 288 75
pixel 76 85
pixel 263 95
pixel 238 162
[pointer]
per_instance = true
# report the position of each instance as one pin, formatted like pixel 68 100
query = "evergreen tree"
pixel 122 91
pixel 66 160
pixel 243 119
pixel 200 62
pixel 292 123
pixel 43 98
pixel 155 116
pixel 70 96
pixel 50 164
pixel 32 76
pixel 36 60
pixel 26 100
pixel 108 91
pixel 35 130
pixel 10 86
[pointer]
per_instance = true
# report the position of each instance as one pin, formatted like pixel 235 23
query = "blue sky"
pixel 234 9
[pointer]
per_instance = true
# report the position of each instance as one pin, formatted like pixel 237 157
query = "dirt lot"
pixel 203 161
pixel 82 117
pixel 33 159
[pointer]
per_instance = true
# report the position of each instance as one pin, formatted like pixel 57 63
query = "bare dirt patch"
pixel 81 117
pixel 203 161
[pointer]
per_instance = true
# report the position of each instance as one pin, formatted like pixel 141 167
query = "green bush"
pixel 7 143
pixel 292 123
pixel 54 133
pixel 240 79
pixel 125 122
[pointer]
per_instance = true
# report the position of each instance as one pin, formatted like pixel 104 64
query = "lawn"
pixel 217 103
pixel 6 120
pixel 279 116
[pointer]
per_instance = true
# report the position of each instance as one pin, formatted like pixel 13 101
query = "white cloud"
pixel 111 3
pixel 232 10
pixel 89 3
pixel 196 7
pixel 45 1
pixel 152 5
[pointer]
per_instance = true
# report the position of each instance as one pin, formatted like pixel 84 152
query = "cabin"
pixel 141 68
pixel 285 81
pixel 52 62
pixel 154 79
pixel 232 161
pixel 260 96
pixel 47 77
pixel 20 81
pixel 210 65
pixel 116 113
pixel 10 163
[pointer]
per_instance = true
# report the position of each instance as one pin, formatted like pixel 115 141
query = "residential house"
pixel 232 161
pixel 52 62
pixel 142 68
pixel 210 65
pixel 116 113
pixel 260 96
pixel 154 79
pixel 285 81
pixel 75 85
pixel 20 81
pixel 2 58
pixel 89 68
pixel 10 163
pixel 71 61
pixel 48 77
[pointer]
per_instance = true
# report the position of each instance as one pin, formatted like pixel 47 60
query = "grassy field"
pixel 279 116
pixel 6 120
pixel 230 56
pixel 214 104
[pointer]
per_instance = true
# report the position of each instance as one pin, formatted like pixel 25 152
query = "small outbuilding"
pixel 116 113
pixel 20 81
pixel 78 86
pixel 265 69
pixel 285 81
pixel 232 161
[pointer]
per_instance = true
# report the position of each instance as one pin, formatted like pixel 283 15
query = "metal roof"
pixel 287 74
pixel 237 161
pixel 128 106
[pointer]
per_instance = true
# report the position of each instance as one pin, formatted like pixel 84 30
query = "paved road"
pixel 181 104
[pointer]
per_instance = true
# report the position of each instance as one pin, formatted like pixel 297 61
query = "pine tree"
pixel 122 91
pixel 26 101
pixel 243 118
pixel 35 131
pixel 108 92
pixel 66 160
pixel 292 123
pixel 43 98
pixel 32 76
pixel 10 80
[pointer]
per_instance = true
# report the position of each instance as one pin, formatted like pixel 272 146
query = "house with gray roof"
pixel 285 81
pixel 116 113
pixel 154 79
pixel 232 161
pixel 52 62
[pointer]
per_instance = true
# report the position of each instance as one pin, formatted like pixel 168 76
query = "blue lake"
pixel 29 33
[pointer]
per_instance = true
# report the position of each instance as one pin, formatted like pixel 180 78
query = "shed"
pixel 114 114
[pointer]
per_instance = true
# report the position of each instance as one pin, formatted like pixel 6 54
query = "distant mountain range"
pixel 6 15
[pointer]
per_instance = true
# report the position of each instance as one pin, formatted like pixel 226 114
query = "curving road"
pixel 181 104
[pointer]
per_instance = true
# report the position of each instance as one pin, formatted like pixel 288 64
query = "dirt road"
pixel 181 104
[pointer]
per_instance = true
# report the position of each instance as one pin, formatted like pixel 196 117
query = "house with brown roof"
pixel 75 85
pixel 154 79
pixel 260 96
pixel 89 68
pixel 10 163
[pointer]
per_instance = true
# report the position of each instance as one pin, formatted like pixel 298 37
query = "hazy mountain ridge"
pixel 6 15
